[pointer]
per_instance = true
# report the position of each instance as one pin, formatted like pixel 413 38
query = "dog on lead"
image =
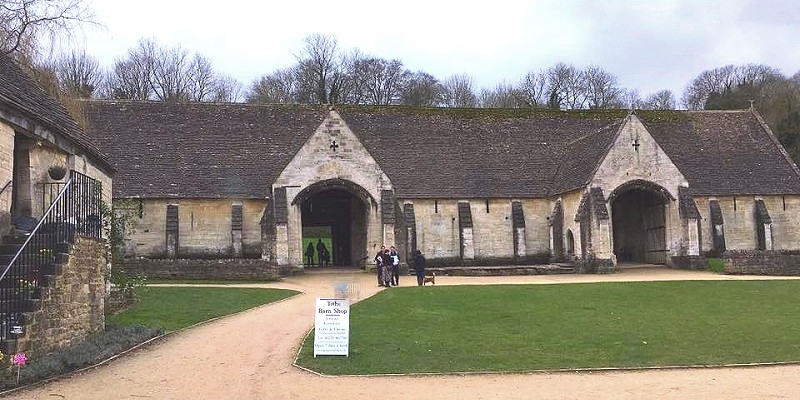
pixel 431 279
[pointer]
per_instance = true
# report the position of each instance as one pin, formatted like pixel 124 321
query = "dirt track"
pixel 249 356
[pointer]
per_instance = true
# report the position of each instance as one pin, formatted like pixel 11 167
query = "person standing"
pixel 325 257
pixel 379 265
pixel 419 266
pixel 310 254
pixel 321 249
pixel 387 268
pixel 395 265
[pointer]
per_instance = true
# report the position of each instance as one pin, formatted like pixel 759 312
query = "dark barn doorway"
pixel 639 225
pixel 338 218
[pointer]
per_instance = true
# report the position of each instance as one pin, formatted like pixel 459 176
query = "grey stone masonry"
pixel 240 268
pixel 172 230
pixel 387 207
pixel 72 302
pixel 754 262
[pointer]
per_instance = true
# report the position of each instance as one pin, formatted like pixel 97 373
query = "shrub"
pixel 716 265
pixel 96 348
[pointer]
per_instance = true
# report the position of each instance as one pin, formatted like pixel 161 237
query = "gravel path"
pixel 249 356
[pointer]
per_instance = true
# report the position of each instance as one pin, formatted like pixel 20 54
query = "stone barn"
pixel 230 189
pixel 53 181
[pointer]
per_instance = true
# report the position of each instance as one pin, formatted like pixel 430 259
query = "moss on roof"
pixel 468 113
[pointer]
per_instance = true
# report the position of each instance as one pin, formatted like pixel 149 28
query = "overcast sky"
pixel 648 44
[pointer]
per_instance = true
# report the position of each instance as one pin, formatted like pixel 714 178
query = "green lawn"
pixel 534 327
pixel 173 308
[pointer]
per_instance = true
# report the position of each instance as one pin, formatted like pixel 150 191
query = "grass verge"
pixel 159 309
pixel 545 327
pixel 173 308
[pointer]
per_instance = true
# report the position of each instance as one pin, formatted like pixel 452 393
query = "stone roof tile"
pixel 237 150
pixel 26 97
pixel 723 152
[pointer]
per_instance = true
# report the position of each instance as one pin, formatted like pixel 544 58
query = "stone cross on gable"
pixel 334 145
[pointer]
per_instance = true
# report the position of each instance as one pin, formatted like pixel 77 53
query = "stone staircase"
pixel 15 325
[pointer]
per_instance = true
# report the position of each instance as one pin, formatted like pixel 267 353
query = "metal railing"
pixel 76 210
pixel 6 186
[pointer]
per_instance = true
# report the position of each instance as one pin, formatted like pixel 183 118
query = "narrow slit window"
pixel 436 206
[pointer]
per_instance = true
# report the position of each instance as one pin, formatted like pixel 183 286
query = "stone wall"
pixel 72 303
pixel 493 238
pixel 739 221
pixel 785 214
pixel 635 155
pixel 437 228
pixel 204 228
pixel 689 262
pixel 332 151
pixel 570 202
pixel 206 268
pixel 752 262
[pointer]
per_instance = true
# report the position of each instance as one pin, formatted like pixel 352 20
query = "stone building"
pixel 467 187
pixel 53 271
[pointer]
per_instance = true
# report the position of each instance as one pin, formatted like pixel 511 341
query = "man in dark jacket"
pixel 419 266
pixel 310 254
pixel 321 249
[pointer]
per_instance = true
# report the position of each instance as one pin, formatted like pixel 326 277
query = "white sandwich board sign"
pixel 332 327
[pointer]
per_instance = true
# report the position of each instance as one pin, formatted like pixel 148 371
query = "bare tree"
pixel 24 22
pixel 716 80
pixel 78 74
pixel 532 89
pixel 132 77
pixel 422 89
pixel 319 74
pixel 726 80
pixel 307 85
pixel 566 87
pixel 383 80
pixel 632 99
pixel 352 89
pixel 504 95
pixel 227 89
pixel 459 91
pixel 601 87
pixel 154 72
pixel 171 76
pixel 278 87
pixel 661 100
pixel 201 85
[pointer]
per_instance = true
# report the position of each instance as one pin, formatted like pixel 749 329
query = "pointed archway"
pixel 335 213
pixel 639 222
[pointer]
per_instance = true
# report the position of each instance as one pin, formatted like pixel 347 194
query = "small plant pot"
pixel 57 172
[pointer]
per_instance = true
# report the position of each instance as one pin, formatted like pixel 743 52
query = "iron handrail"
pixel 33 232
pixel 5 187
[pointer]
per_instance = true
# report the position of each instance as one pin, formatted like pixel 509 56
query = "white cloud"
pixel 649 45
